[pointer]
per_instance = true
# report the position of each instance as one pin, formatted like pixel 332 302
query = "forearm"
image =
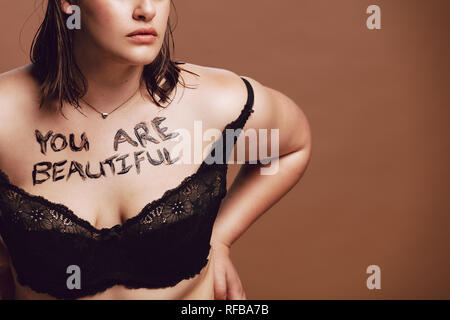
pixel 252 194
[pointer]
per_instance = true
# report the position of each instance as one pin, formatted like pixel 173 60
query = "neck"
pixel 110 82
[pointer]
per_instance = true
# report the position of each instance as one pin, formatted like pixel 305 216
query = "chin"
pixel 142 58
pixel 143 55
pixel 143 61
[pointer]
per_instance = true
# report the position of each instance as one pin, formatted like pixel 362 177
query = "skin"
pixel 113 66
pixel 44 168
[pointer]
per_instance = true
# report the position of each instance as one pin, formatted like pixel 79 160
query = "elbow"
pixel 302 152
pixel 303 148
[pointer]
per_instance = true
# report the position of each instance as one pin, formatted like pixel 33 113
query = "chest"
pixel 105 175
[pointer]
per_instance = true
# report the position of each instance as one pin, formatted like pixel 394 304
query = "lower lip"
pixel 143 38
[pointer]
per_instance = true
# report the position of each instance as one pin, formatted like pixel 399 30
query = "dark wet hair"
pixel 60 78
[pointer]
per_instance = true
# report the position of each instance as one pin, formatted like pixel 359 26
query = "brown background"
pixel 376 191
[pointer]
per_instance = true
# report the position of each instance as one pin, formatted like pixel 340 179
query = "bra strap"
pixel 237 125
pixel 245 112
pixel 250 94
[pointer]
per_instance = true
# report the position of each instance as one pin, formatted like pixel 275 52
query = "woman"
pixel 91 205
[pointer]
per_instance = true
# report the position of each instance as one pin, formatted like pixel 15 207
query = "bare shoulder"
pixel 224 95
pixel 17 80
pixel 18 94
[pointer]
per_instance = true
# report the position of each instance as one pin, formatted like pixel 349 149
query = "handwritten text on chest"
pixel 142 137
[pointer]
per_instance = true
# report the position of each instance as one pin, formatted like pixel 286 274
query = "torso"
pixel 112 200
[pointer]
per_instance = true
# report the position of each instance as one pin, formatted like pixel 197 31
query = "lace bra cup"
pixel 168 241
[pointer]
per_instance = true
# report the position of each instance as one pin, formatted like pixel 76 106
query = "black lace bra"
pixel 168 241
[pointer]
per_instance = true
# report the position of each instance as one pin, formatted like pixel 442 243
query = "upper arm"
pixel 12 85
pixel 4 257
pixel 276 127
pixel 4 110
pixel 276 112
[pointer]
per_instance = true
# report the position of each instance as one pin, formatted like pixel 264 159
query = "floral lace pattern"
pixel 168 241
